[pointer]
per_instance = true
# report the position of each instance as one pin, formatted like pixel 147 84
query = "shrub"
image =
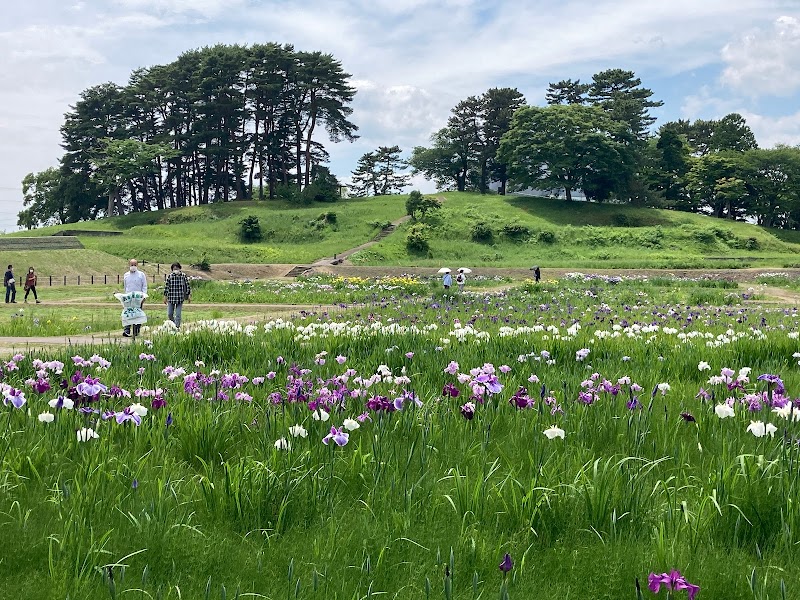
pixel 250 230
pixel 624 220
pixel 516 231
pixel 546 236
pixel 203 265
pixel 417 238
pixel 419 206
pixel 482 232
pixel 704 236
pixel 329 218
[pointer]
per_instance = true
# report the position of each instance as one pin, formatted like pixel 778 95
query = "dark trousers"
pixel 29 290
pixel 127 329
pixel 11 293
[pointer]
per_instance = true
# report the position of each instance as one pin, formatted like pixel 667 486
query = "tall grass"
pixel 199 502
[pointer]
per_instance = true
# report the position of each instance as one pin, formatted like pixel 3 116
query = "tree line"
pixel 219 123
pixel 596 138
pixel 237 122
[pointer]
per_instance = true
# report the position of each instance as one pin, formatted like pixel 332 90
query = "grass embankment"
pixel 556 233
pixel 292 234
pixel 521 231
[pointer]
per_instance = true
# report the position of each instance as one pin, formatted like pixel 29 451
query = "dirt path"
pixel 343 256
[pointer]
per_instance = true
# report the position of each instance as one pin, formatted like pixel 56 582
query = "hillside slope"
pixel 519 231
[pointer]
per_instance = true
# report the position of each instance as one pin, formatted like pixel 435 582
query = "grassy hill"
pixel 292 234
pixel 530 230
pixel 520 231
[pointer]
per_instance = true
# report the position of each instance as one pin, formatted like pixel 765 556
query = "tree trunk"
pixel 568 192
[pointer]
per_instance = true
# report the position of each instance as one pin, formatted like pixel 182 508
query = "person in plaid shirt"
pixel 176 291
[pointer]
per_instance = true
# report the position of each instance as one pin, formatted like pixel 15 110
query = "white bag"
pixel 11 281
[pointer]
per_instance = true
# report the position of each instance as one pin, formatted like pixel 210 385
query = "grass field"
pixel 584 235
pixel 523 231
pixel 457 459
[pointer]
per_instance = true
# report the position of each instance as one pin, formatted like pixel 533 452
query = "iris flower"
pixel 554 432
pixel 760 429
pixel 724 411
pixel 672 581
pixel 507 563
pixel 91 387
pixel 15 397
pixel 339 436
pixel 85 434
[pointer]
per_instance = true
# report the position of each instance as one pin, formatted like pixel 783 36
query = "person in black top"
pixel 176 291
pixel 11 288
pixel 537 274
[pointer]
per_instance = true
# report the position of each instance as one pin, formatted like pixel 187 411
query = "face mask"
pixel 176 270
pixel 133 269
pixel 31 271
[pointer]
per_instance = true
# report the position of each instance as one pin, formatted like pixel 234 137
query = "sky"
pixel 410 60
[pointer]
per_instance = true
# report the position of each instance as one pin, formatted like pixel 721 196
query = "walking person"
pixel 134 281
pixel 11 288
pixel 537 274
pixel 176 291
pixel 30 285
pixel 461 280
pixel 447 280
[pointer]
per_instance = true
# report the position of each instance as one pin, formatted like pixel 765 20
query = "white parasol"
pixel 465 270
pixel 443 270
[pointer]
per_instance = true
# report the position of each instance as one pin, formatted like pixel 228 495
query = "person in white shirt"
pixel 134 281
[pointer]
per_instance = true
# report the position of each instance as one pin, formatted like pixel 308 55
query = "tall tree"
pixel 619 93
pixel 567 92
pixel 499 106
pixel 562 146
pixel 380 173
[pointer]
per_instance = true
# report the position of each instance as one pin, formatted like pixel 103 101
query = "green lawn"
pixel 584 235
pixel 552 233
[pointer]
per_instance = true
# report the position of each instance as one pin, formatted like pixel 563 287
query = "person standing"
pixel 461 280
pixel 447 280
pixel 134 281
pixel 537 274
pixel 30 285
pixel 176 291
pixel 11 288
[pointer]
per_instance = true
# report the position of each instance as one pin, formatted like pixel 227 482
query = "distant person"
pixel 11 288
pixel 30 285
pixel 461 280
pixel 447 281
pixel 176 291
pixel 537 274
pixel 134 281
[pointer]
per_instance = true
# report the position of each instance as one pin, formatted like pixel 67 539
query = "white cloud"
pixel 765 62
pixel 770 131
pixel 411 60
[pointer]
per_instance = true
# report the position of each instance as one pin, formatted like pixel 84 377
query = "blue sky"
pixel 411 60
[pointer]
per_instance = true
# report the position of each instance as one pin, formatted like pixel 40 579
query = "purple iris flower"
pixel 169 419
pixel 450 390
pixel 773 380
pixel 634 403
pixel 128 415
pixel 16 398
pixel 77 377
pixel 41 386
pixel 672 581
pixel 339 436
pixel 91 387
pixel 507 563
pixel 468 411
pixel 158 402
